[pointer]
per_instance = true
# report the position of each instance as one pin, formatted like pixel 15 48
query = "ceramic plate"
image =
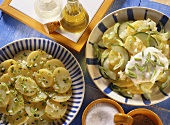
pixel 122 15
pixel 64 55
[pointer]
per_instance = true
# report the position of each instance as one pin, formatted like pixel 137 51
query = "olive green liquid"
pixel 74 18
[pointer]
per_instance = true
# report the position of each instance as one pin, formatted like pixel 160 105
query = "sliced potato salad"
pixel 34 88
pixel 134 56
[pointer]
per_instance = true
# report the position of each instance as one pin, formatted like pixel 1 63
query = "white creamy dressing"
pixel 141 71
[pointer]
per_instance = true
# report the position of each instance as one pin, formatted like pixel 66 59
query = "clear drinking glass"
pixel 48 9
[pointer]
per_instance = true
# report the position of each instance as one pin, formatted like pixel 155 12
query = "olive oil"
pixel 74 17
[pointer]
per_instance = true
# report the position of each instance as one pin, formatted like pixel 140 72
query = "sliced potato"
pixel 110 37
pixel 4 110
pixel 35 109
pixel 37 59
pixel 62 80
pixel 6 79
pixel 55 110
pixel 105 55
pixel 26 86
pixel 134 45
pixel 43 120
pixel 5 65
pixel 135 90
pixel 44 78
pixel 146 87
pixel 4 94
pixel 123 83
pixel 15 104
pixel 19 69
pixel 33 121
pixel 39 96
pixel 116 60
pixel 53 64
pixel 138 26
pixel 22 55
pixel 62 97
pixel 19 118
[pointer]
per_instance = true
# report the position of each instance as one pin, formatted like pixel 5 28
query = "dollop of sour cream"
pixel 146 66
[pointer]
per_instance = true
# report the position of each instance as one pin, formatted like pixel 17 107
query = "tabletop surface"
pixel 11 29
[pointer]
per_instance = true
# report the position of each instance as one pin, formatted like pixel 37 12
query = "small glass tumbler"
pixel 48 9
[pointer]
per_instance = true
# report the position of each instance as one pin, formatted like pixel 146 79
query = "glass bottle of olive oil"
pixel 74 17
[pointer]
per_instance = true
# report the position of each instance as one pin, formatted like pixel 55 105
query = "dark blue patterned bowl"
pixel 64 55
pixel 122 15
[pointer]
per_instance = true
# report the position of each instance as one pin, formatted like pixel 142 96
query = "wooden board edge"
pixel 98 16
pixel 55 36
pixel 5 3
pixel 39 27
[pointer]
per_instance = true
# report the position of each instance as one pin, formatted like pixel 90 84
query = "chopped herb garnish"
pixel 11 62
pixel 130 25
pixel 12 69
pixel 142 53
pixel 49 65
pixel 65 80
pixel 24 54
pixel 131 74
pixel 63 103
pixel 29 67
pixel 154 73
pixel 141 68
pixel 137 59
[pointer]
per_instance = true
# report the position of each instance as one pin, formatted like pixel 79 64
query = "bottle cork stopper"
pixel 51 27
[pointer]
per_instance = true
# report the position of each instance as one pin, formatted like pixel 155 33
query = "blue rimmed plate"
pixel 61 53
pixel 122 15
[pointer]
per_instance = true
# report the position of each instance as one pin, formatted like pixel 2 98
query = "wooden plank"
pixel 56 36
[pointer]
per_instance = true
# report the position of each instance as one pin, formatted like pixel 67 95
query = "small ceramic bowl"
pixel 128 118
pixel 102 100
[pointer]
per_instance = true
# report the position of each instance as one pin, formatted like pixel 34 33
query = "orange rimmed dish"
pixel 98 101
pixel 129 118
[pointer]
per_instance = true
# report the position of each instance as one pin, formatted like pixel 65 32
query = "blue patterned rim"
pixel 64 55
pixel 125 14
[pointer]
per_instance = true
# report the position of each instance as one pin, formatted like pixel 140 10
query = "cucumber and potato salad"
pixel 34 88
pixel 134 56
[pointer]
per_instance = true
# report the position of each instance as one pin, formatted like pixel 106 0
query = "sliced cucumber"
pixel 106 73
pixel 147 96
pixel 116 27
pixel 122 30
pixel 147 39
pixel 121 91
pixel 127 95
pixel 162 30
pixel 97 51
pixel 110 37
pixel 104 56
pixel 101 45
pixel 125 55
pixel 103 72
pixel 165 84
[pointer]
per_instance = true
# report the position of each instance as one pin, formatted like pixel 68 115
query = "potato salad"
pixel 34 88
pixel 134 56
